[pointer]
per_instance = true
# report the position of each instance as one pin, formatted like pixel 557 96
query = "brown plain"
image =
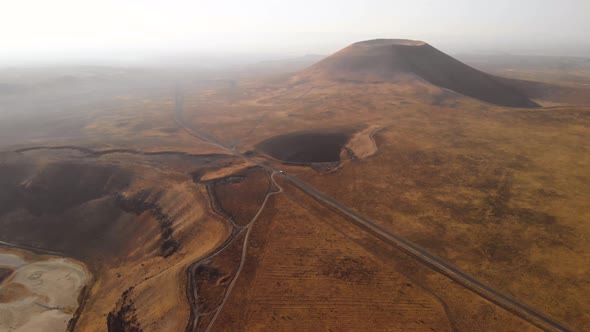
pixel 498 192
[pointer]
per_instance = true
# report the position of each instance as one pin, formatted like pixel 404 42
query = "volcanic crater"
pixel 306 147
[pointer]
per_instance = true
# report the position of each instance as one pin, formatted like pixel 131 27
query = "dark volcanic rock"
pixel 124 317
pixel 146 201
pixel 386 60
pixel 306 147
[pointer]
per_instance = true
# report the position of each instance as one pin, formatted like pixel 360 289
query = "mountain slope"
pixel 399 60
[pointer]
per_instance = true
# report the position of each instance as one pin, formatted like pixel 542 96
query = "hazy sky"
pixel 40 29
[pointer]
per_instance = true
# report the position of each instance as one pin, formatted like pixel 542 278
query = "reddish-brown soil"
pixel 499 193
pixel 309 269
pixel 212 278
pixel 240 195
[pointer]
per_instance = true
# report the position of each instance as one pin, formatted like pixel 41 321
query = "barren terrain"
pixel 40 293
pixel 387 187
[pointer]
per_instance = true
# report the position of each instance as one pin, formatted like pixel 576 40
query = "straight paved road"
pixel 435 263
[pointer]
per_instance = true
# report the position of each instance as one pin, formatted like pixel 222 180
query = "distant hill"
pixel 556 79
pixel 389 60
pixel 571 95
pixel 500 62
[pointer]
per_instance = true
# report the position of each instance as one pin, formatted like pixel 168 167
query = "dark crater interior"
pixel 66 207
pixel 306 147
pixel 4 273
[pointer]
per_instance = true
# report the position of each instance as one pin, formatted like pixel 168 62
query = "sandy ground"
pixel 40 296
pixel 225 171
pixel 10 260
pixel 362 143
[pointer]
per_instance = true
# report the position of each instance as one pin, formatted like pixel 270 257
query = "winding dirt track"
pixel 244 252
pixel 529 314
pixel 191 290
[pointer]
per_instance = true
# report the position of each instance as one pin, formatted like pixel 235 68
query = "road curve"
pixel 529 314
pixel 191 291
pixel 244 252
